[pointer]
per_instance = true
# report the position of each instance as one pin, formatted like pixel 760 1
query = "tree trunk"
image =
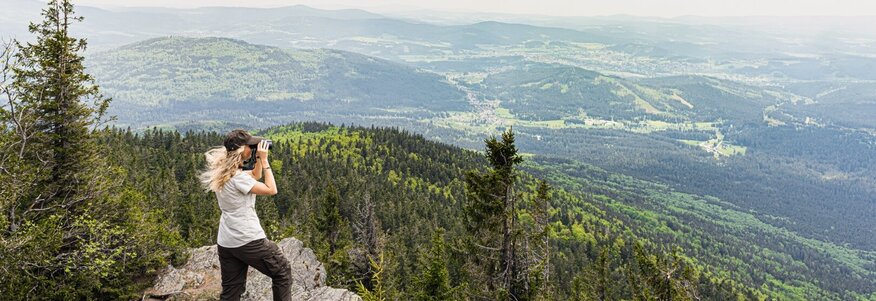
pixel 507 246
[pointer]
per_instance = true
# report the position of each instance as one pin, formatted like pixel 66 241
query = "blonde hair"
pixel 221 166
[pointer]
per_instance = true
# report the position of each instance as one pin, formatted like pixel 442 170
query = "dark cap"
pixel 238 137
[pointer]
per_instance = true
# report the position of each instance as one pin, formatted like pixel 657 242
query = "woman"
pixel 241 242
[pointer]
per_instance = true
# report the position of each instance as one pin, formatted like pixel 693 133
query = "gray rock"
pixel 200 278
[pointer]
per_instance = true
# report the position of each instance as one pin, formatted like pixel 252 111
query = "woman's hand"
pixel 262 151
pixel 269 187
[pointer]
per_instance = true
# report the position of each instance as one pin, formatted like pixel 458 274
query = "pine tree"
pixel 330 222
pixel 68 228
pixel 491 215
pixel 538 281
pixel 663 278
pixel 433 284
pixel 333 239
pixel 596 280
pixel 52 84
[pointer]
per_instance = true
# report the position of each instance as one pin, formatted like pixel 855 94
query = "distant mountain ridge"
pixel 186 75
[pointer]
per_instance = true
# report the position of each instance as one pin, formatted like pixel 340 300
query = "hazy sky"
pixel 661 8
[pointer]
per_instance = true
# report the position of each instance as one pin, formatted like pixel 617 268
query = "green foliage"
pixel 377 293
pixel 333 239
pixel 491 214
pixel 69 230
pixel 662 278
pixel 507 256
pixel 330 223
pixel 433 283
pixel 733 249
pixel 161 166
pixel 539 230
pixel 325 164
pixel 596 281
pixel 49 91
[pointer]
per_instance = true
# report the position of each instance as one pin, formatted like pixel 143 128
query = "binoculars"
pixel 249 164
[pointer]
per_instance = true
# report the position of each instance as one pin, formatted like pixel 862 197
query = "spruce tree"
pixel 663 278
pixel 51 83
pixel 596 280
pixel 491 217
pixel 330 222
pixel 537 283
pixel 333 240
pixel 69 230
pixel 433 284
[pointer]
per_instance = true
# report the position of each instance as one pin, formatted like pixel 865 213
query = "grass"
pixel 691 142
pixel 717 147
pixel 727 149
pixel 504 113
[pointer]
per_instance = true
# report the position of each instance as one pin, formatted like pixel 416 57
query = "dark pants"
pixel 266 257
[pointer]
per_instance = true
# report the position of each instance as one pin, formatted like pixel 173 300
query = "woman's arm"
pixel 269 187
pixel 257 169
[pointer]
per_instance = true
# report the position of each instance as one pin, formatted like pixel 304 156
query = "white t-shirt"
pixel 239 223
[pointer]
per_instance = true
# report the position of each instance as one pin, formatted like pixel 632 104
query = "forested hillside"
pixel 416 186
pixel 554 92
pixel 216 79
pixel 389 194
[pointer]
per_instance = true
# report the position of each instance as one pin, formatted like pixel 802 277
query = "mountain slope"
pixel 550 92
pixel 223 79
pixel 417 186
pixel 723 237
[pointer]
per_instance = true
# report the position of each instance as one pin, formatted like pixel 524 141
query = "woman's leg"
pixel 266 257
pixel 233 274
pixel 278 268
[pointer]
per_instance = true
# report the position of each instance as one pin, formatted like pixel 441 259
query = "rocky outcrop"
pixel 200 279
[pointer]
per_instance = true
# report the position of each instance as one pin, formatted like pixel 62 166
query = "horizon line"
pixel 383 13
